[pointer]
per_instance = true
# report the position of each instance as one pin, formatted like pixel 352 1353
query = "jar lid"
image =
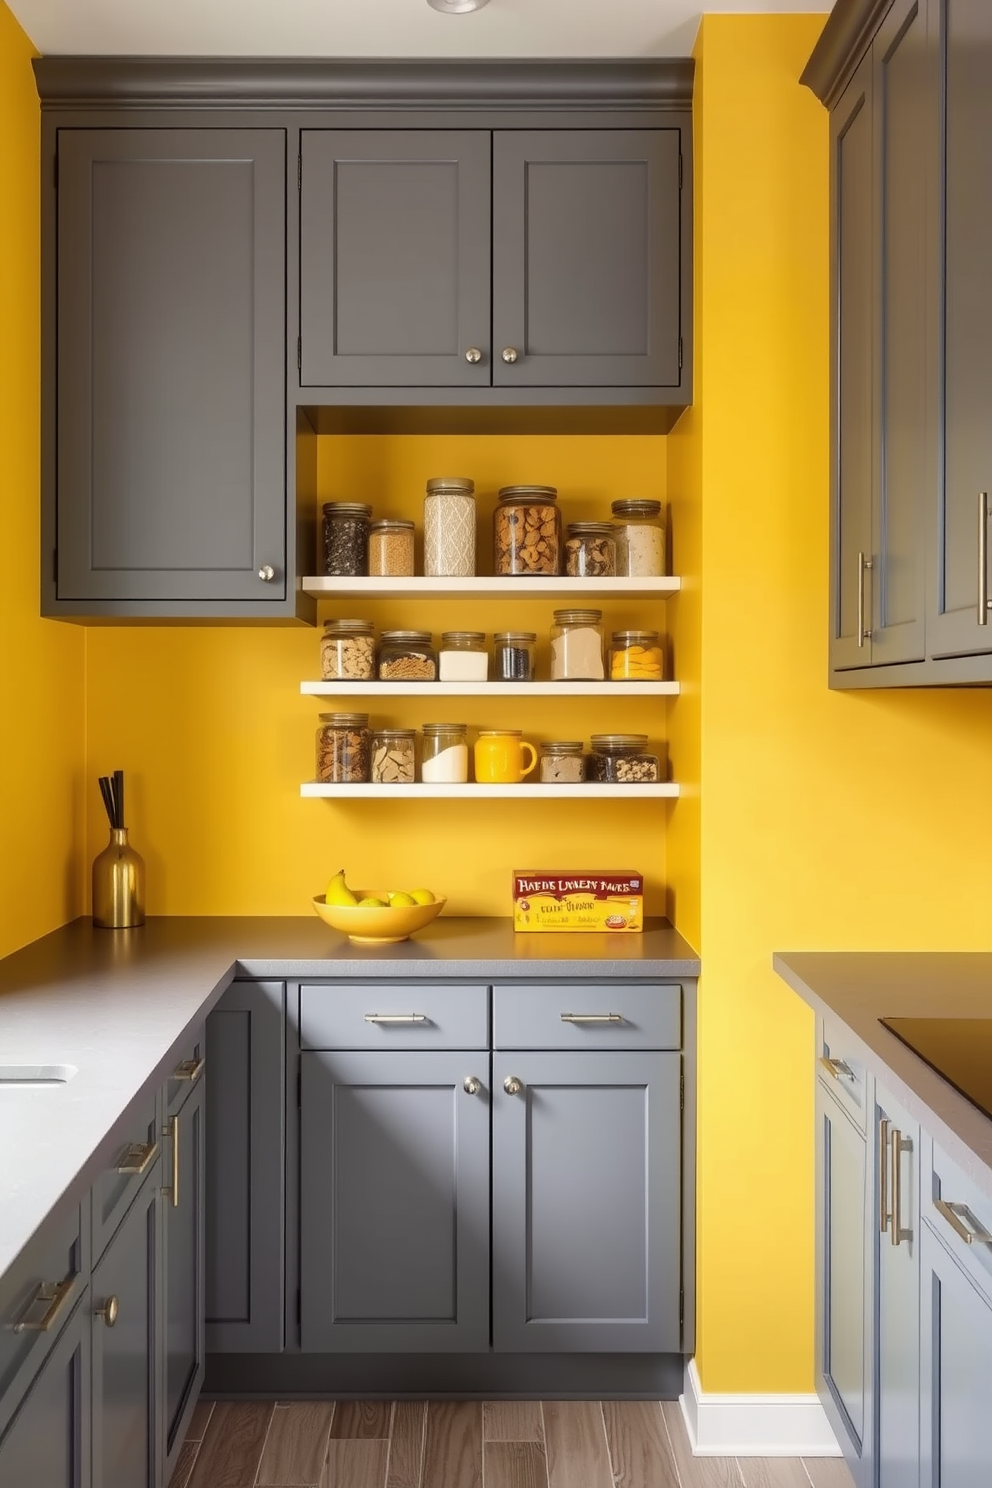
pixel 443 728
pixel 500 733
pixel 635 507
pixel 391 524
pixel 346 720
pixel 518 637
pixel 578 617
pixel 346 509
pixel 562 746
pixel 456 484
pixel 528 493
pixel 466 637
pixel 418 637
pixel 348 625
pixel 607 743
pixel 630 637
pixel 391 733
pixel 591 529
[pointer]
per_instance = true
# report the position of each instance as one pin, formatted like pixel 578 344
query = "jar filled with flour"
pixel 577 646
pixel 444 754
pixel 449 527
pixel 639 532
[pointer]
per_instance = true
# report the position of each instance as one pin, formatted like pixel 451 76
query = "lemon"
pixel 401 898
pixel 421 896
pixel 371 902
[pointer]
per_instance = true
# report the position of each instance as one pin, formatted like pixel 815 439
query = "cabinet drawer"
pixel 394 1015
pixel 126 1171
pixel 841 1069
pixel 569 1015
pixel 189 1066
pixel 955 1208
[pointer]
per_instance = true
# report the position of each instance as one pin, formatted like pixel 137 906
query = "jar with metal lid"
pixel 393 758
pixel 635 656
pixel 343 748
pixel 391 549
pixel 590 550
pixel 347 651
pixel 407 656
pixel 449 527
pixel 444 754
pixel 577 646
pixel 527 531
pixel 513 655
pixel 563 762
pixel 640 538
pixel 462 656
pixel 622 759
pixel 346 538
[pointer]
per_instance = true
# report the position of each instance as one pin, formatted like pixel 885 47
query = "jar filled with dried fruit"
pixel 346 538
pixel 393 757
pixel 513 655
pixel 635 656
pixel 640 537
pixel 347 651
pixel 391 549
pixel 444 757
pixel 622 759
pixel 590 550
pixel 563 762
pixel 577 646
pixel 527 531
pixel 449 527
pixel 407 656
pixel 343 748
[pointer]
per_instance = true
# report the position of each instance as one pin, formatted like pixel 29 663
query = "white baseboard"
pixel 754 1425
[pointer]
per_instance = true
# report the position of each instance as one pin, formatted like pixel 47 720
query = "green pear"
pixel 337 891
pixel 401 898
pixel 371 902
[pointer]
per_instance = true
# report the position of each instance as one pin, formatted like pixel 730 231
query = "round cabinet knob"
pixel 509 354
pixel 266 573
pixel 512 1085
pixel 473 354
pixel 471 1085
pixel 108 1311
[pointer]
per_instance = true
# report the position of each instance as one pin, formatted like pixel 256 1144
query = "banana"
pixel 338 892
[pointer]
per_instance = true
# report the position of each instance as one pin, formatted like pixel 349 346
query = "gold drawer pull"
pixel 188 1070
pixel 172 1130
pixel 396 1017
pixel 955 1215
pixel 53 1294
pixel 837 1068
pixel 591 1017
pixel 137 1157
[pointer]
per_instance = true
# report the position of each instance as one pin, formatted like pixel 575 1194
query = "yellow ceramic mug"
pixel 499 757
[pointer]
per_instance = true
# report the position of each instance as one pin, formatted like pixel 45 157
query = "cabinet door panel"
pixel 47 1444
pixel 897 1208
pixel 183 1271
pixel 586 1207
pixel 171 364
pixel 394 1202
pixel 587 257
pixel 956 1326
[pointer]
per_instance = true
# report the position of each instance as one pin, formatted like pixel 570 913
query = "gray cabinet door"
pixel 394 257
pixel 394 1181
pixel 955 625
pixel 896 1226
pixel 587 258
pixel 171 364
pixel 245 1166
pixel 956 1335
pixel 586 1202
pixel 844 1342
pixel 183 1311
pixel 47 1444
pixel 126 1346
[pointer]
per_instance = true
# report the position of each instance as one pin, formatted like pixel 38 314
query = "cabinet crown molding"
pixel 843 42
pixel 635 84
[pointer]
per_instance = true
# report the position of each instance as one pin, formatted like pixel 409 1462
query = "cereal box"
pixel 581 900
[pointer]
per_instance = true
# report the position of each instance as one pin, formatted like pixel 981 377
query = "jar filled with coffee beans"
pixel 563 762
pixel 590 550
pixel 343 748
pixel 513 655
pixel 346 538
pixel 622 759
pixel 391 549
pixel 347 651
pixel 407 656
pixel 527 531
pixel 393 756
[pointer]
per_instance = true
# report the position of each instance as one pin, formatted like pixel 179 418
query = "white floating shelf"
pixel 613 690
pixel 473 792
pixel 482 587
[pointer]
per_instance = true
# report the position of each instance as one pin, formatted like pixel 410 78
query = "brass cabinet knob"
pixel 471 1085
pixel 509 354
pixel 108 1311
pixel 473 354
pixel 266 573
pixel 512 1085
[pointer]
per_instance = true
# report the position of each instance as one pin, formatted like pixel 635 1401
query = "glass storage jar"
pixel 343 741
pixel 635 656
pixel 444 754
pixel 640 538
pixel 347 651
pixel 577 646
pixel 393 759
pixel 513 655
pixel 462 656
pixel 563 762
pixel 449 527
pixel 346 538
pixel 406 656
pixel 590 550
pixel 622 759
pixel 391 549
pixel 527 531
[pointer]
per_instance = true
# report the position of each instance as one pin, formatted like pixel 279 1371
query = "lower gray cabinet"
pixel 586 1212
pixel 47 1442
pixel 182 1272
pixel 394 1182
pixel 897 1304
pixel 956 1335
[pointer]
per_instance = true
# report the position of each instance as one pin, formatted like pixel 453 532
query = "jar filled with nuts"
pixel 393 757
pixel 407 656
pixel 622 759
pixel 563 762
pixel 343 748
pixel 590 550
pixel 391 549
pixel 527 531
pixel 347 651
pixel 346 538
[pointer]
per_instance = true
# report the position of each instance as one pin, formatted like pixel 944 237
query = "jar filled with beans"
pixel 347 651
pixel 346 538
pixel 393 757
pixel 391 549
pixel 622 759
pixel 513 655
pixel 343 748
pixel 407 656
pixel 527 531
pixel 590 550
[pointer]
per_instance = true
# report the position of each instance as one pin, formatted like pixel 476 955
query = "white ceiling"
pixel 376 28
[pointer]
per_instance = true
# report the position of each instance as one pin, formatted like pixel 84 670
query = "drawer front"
pixel 394 1015
pixel 189 1066
pixel 959 1213
pixel 129 1165
pixel 841 1069
pixel 575 1015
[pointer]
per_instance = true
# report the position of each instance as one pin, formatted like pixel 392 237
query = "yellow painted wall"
pixel 41 662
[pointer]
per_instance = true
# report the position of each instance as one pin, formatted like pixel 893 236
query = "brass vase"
pixel 118 884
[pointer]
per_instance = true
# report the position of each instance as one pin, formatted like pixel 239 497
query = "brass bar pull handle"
pixel 900 1144
pixel 53 1294
pixel 188 1070
pixel 591 1017
pixel 137 1157
pixel 172 1130
pixel 983 557
pixel 971 1232
pixel 837 1068
pixel 396 1017
pixel 864 565
pixel 883 1184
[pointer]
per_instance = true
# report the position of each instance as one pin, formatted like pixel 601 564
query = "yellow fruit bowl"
pixel 372 926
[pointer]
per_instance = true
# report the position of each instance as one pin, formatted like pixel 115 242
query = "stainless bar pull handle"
pixel 188 1070
pixel 983 557
pixel 396 1017
pixel 137 1157
pixel 591 1017
pixel 837 1068
pixel 900 1144
pixel 54 1295
pixel 883 1176
pixel 971 1232
pixel 864 564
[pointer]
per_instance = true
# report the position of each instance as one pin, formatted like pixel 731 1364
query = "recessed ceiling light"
pixel 457 7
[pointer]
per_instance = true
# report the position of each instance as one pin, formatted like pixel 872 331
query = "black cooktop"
pixel 959 1049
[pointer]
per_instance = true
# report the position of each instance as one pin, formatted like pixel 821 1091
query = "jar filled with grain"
pixel 640 538
pixel 346 538
pixel 590 550
pixel 462 656
pixel 393 758
pixel 563 762
pixel 527 531
pixel 343 748
pixel 577 646
pixel 622 759
pixel 449 527
pixel 391 549
pixel 635 656
pixel 347 651
pixel 444 754
pixel 407 656
pixel 513 655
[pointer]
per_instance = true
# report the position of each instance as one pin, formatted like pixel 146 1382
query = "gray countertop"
pixel 116 1005
pixel 860 987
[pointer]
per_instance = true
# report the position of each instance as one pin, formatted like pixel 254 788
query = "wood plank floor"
pixel 468 1444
